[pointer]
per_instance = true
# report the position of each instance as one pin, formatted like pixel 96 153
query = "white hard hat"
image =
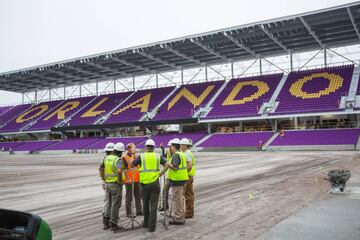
pixel 119 147
pixel 150 142
pixel 185 141
pixel 109 147
pixel 169 143
pixel 176 141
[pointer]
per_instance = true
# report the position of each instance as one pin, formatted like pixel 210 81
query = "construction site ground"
pixel 239 195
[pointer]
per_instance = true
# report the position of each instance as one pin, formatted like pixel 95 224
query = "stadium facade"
pixel 290 107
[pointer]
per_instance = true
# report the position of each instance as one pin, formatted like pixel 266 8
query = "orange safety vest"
pixel 129 160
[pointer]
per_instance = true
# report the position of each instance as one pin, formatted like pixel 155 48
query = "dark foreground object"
pixel 20 225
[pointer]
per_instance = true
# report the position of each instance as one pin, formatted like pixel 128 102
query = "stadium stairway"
pixel 105 117
pixel 152 114
pixel 66 120
pixel 351 97
pixel 272 102
pixel 40 117
pixel 206 137
pixel 17 115
pixel 268 142
pixel 203 112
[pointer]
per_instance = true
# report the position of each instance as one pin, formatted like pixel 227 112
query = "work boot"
pixel 106 223
pixel 176 223
pixel 152 229
pixel 139 214
pixel 189 217
pixel 162 209
pixel 115 227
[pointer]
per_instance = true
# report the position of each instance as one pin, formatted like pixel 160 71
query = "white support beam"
pixel 312 33
pixel 352 19
pixel 210 50
pixel 241 45
pixel 106 68
pixel 157 59
pixel 183 55
pixel 274 38
pixel 137 66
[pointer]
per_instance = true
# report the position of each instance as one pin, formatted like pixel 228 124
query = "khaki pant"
pixel 113 202
pixel 178 203
pixel 189 198
pixel 128 198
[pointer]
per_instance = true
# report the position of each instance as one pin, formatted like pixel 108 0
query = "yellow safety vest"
pixel 111 174
pixel 180 174
pixel 193 169
pixel 150 167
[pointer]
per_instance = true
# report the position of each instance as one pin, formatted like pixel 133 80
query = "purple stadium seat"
pixel 125 140
pixel 33 146
pixel 7 145
pixel 243 139
pixel 72 144
pixel 318 137
pixel 102 105
pixel 5 109
pixel 13 112
pixel 165 138
pixel 318 90
pixel 30 115
pixel 244 97
pixel 187 100
pixel 137 105
pixel 51 119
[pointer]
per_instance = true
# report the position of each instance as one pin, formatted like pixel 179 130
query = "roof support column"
pixel 36 97
pixel 232 69
pixel 206 73
pixel 325 57
pixel 97 87
pixel 133 83
pixel 157 80
pixel 80 90
pixel 114 85
pixel 64 92
pixel 260 65
pixel 291 62
pixel 23 98
pixel 50 94
pixel 182 76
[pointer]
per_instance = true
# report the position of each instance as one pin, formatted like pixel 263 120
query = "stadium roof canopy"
pixel 327 28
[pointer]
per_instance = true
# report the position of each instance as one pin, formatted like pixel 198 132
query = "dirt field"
pixel 238 195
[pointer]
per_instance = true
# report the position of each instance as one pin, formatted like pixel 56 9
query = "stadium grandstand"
pixel 224 89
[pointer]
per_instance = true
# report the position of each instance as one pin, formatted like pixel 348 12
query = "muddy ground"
pixel 238 195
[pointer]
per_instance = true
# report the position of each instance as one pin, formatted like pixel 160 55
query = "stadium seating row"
pixel 217 140
pixel 318 90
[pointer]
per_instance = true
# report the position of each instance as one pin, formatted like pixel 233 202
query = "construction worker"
pixel 111 174
pixel 109 150
pixel 189 189
pixel 166 154
pixel 129 170
pixel 178 175
pixel 149 172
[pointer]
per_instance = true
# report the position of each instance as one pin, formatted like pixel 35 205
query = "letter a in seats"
pixel 142 103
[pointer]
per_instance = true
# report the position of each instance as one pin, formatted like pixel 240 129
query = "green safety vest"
pixel 193 169
pixel 180 174
pixel 111 174
pixel 150 167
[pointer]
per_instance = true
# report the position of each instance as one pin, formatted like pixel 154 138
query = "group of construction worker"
pixel 141 175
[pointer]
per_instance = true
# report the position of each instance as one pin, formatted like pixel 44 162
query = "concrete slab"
pixel 336 217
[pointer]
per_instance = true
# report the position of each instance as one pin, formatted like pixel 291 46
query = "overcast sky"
pixel 35 32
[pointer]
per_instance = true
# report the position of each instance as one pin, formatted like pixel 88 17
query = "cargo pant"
pixel 189 198
pixel 113 201
pixel 178 203
pixel 150 196
pixel 128 198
